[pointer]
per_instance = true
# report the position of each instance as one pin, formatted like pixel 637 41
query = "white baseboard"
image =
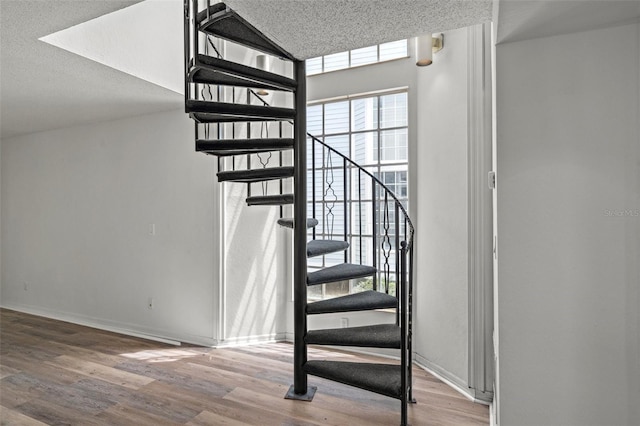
pixel 450 379
pixel 251 340
pixel 162 336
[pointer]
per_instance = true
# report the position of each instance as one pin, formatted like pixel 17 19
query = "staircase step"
pixel 384 379
pixel 210 70
pixel 370 336
pixel 287 222
pixel 213 112
pixel 322 247
pixel 344 271
pixel 363 301
pixel 227 24
pixel 270 200
pixel 242 146
pixel 213 10
pixel 256 175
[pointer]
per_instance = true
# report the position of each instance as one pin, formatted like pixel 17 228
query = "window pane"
pixel 393 50
pixel 336 119
pixel 393 145
pixel 340 144
pixel 365 148
pixel 395 178
pixel 337 61
pixel 393 110
pixel 366 55
pixel 314 119
pixel 314 65
pixel 365 114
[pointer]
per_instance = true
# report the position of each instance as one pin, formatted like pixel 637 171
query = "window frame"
pixel 376 167
pixel 350 59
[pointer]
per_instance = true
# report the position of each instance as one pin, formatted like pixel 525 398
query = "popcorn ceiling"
pixel 309 28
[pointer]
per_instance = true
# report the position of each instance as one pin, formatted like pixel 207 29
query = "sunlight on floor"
pixel 162 355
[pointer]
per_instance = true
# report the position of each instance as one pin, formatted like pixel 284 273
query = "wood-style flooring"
pixel 57 373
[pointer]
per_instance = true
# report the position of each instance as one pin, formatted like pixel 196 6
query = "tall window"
pixel 357 57
pixel 373 132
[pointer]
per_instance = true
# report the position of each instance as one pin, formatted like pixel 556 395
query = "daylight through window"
pixel 373 132
pixel 357 57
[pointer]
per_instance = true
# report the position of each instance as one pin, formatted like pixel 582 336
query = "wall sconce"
pixel 263 62
pixel 426 46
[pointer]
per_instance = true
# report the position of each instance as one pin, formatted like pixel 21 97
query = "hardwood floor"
pixel 57 373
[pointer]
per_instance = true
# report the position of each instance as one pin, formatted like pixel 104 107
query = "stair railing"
pixel 392 231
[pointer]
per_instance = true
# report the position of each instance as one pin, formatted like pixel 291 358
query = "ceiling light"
pixel 426 46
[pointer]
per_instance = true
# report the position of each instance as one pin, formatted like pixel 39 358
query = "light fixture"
pixel 426 46
pixel 263 62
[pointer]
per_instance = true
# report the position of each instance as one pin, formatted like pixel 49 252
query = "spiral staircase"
pixel 233 120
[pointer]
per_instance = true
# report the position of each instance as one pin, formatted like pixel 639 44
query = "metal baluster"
pixel 397 243
pixel 248 100
pixel 409 328
pixel 386 243
pixel 313 182
pixel 344 205
pixel 375 232
pixel 280 163
pixel 405 366
pixel 329 174
pixel 360 212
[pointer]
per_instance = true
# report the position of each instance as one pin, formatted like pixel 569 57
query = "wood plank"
pixel 122 414
pixel 99 371
pixel 296 409
pixel 59 373
pixel 7 371
pixel 9 417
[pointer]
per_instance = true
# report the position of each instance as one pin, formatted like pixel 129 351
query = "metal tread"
pixel 341 272
pixel 210 70
pixel 211 112
pixel 370 336
pixel 363 301
pixel 322 247
pixel 287 222
pixel 270 200
pixel 256 175
pixel 384 379
pixel 229 25
pixel 223 147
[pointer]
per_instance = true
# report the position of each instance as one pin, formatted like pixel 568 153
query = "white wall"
pixel 255 285
pixel 77 205
pixel 568 156
pixel 442 242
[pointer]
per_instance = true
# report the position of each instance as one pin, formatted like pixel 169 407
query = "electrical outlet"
pixel 150 303
pixel 344 322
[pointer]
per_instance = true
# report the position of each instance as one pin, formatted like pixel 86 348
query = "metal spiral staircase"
pixel 232 122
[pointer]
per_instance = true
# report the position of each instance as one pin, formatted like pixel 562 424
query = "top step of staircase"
pixel 220 21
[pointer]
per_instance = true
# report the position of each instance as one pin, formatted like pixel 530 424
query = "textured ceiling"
pixel 43 87
pixel 308 28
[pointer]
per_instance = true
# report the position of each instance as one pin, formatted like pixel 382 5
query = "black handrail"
pixel 377 181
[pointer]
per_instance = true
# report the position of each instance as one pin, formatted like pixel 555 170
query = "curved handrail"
pixel 360 169
pixel 375 179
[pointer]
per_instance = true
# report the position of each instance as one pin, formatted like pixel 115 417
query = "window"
pixel 357 57
pixel 373 132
